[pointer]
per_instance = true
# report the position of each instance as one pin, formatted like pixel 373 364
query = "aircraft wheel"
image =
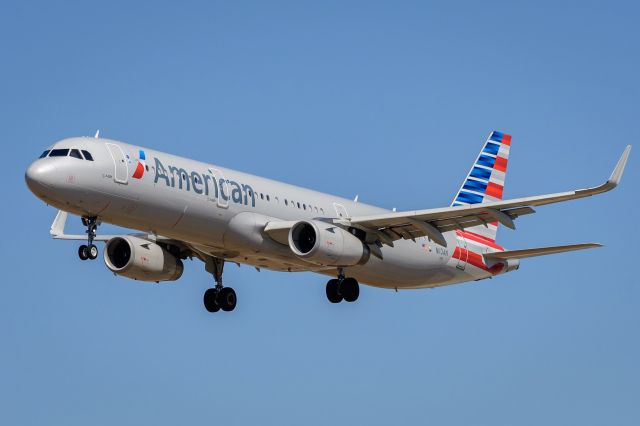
pixel 83 252
pixel 227 299
pixel 333 293
pixel 92 251
pixel 350 289
pixel 209 299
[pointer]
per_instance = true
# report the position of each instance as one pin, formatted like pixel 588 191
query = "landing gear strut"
pixel 219 297
pixel 89 251
pixel 342 288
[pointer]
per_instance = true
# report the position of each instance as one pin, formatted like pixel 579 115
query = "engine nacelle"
pixel 325 244
pixel 140 259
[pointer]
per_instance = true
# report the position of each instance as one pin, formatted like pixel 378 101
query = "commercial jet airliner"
pixel 185 209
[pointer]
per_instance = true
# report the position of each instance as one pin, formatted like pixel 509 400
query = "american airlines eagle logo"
pixel 140 167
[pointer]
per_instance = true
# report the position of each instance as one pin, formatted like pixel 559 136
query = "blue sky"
pixel 389 100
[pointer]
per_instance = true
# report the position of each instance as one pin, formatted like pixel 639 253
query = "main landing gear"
pixel 89 251
pixel 343 288
pixel 219 297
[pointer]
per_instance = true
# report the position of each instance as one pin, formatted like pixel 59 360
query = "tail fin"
pixel 485 181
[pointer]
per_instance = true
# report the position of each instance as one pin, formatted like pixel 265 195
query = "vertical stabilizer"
pixel 485 181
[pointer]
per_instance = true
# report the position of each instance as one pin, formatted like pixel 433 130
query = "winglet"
pixel 615 177
pixel 57 230
pixel 613 180
pixel 57 227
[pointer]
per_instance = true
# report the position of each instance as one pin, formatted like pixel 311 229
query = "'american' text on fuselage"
pixel 204 183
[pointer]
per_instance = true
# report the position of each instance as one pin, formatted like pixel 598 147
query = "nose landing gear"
pixel 342 288
pixel 89 251
pixel 219 297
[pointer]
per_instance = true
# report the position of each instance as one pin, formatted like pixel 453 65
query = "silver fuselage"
pixel 222 212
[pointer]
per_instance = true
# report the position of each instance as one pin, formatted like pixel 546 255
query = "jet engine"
pixel 140 259
pixel 325 244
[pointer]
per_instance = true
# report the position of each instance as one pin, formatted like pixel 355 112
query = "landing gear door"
pixel 121 169
pixel 461 242
pixel 341 211
pixel 222 189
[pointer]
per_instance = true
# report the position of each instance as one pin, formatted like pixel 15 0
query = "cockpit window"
pixel 59 153
pixel 75 154
pixel 44 154
pixel 87 155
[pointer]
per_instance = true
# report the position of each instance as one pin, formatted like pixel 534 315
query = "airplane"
pixel 186 209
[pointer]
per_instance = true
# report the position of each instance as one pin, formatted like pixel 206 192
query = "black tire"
pixel 83 252
pixel 92 251
pixel 333 294
pixel 227 299
pixel 350 289
pixel 209 298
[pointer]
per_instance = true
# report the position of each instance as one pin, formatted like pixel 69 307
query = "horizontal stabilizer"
pixel 540 251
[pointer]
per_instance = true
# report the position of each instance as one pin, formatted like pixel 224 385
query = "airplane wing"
pixel 433 222
pixel 60 221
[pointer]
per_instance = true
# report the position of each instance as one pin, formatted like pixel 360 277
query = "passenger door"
pixel 223 191
pixel 461 242
pixel 121 169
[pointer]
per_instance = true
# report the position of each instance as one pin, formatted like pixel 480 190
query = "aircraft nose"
pixel 39 176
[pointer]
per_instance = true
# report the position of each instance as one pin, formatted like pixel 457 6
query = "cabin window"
pixel 261 196
pixel 146 167
pixel 298 204
pixel 44 154
pixel 268 197
pixel 75 154
pixel 59 153
pixel 304 207
pixel 286 203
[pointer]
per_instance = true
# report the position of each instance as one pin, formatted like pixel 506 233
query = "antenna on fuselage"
pixel 355 200
pixel 97 135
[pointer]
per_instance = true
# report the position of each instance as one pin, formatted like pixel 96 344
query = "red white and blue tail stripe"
pixel 485 181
